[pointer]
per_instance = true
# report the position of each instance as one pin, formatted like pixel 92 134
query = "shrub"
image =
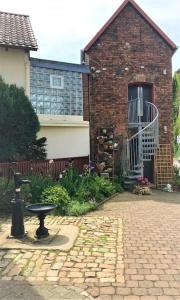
pixel 94 188
pixel 118 187
pixel 56 195
pixel 28 193
pixel 106 187
pixel 38 184
pixel 71 181
pixel 6 194
pixel 75 208
pixel 19 125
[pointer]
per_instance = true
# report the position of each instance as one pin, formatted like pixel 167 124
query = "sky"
pixel 64 27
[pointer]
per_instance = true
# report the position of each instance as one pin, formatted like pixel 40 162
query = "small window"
pixel 56 82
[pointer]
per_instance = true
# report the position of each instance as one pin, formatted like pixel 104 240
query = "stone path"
pixel 127 250
pixel 95 263
pixel 151 235
pixel 18 290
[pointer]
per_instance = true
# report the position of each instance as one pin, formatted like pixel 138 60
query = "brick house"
pixel 130 88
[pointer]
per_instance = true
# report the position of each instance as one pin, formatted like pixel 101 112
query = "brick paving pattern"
pixel 146 266
pixel 151 234
pixel 95 263
pixel 20 290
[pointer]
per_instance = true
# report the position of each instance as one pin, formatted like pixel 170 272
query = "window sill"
pixel 63 121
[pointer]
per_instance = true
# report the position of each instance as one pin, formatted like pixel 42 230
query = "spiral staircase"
pixel 143 119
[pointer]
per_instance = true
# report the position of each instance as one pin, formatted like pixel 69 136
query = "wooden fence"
pixel 47 167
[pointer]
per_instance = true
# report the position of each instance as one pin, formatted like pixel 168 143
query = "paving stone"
pixel 107 291
pixel 123 291
pixel 24 290
pixel 149 245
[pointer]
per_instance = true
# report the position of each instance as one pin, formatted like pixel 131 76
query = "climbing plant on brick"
pixel 176 104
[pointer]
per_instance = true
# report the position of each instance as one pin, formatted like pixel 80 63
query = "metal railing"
pixel 141 146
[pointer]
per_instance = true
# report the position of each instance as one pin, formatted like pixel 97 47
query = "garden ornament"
pixel 168 188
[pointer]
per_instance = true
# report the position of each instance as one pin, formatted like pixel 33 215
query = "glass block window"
pixel 56 82
pixel 56 92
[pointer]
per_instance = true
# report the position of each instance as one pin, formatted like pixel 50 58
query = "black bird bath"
pixel 41 210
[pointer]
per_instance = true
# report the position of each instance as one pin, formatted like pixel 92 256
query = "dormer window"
pixel 56 82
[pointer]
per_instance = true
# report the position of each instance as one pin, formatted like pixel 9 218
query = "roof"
pixel 142 13
pixel 57 65
pixel 16 31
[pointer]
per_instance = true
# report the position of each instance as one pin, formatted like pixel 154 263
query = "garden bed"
pixel 75 194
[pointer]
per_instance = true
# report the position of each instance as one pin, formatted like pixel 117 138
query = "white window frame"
pixel 52 76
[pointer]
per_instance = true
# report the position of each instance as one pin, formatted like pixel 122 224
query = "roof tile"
pixel 16 31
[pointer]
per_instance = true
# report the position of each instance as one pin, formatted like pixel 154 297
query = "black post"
pixel 17 228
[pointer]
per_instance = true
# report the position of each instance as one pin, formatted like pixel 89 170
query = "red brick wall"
pixel 129 51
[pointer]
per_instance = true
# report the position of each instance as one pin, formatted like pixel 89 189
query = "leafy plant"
pixel 56 195
pixel 176 117
pixel 71 181
pixel 94 188
pixel 118 187
pixel 6 194
pixel 177 176
pixel 38 184
pixel 106 187
pixel 75 208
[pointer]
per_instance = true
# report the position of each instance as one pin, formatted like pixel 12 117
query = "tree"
pixel 19 125
pixel 176 106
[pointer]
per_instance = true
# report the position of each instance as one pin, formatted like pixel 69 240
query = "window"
pixel 66 99
pixel 56 82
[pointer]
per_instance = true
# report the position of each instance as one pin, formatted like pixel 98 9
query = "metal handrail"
pixel 135 151
pixel 151 123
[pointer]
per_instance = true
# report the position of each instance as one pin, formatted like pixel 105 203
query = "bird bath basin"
pixel 41 210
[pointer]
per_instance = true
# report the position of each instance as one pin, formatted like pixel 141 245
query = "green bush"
pixel 6 194
pixel 95 188
pixel 56 195
pixel 106 187
pixel 75 208
pixel 88 187
pixel 39 183
pixel 30 193
pixel 74 194
pixel 118 186
pixel 71 181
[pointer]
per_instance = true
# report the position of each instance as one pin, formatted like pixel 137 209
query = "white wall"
pixel 66 141
pixel 15 67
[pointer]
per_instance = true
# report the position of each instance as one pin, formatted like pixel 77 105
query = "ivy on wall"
pixel 176 110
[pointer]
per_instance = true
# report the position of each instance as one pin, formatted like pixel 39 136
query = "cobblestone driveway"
pixel 95 263
pixel 145 267
pixel 151 233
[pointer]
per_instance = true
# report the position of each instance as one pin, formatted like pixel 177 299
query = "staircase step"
pixel 129 185
pixel 148 138
pixel 137 166
pixel 135 172
pixel 148 133
pixel 147 159
pixel 132 177
pixel 148 145
pixel 130 182
pixel 148 152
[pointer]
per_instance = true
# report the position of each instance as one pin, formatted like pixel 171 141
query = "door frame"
pixel 150 84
